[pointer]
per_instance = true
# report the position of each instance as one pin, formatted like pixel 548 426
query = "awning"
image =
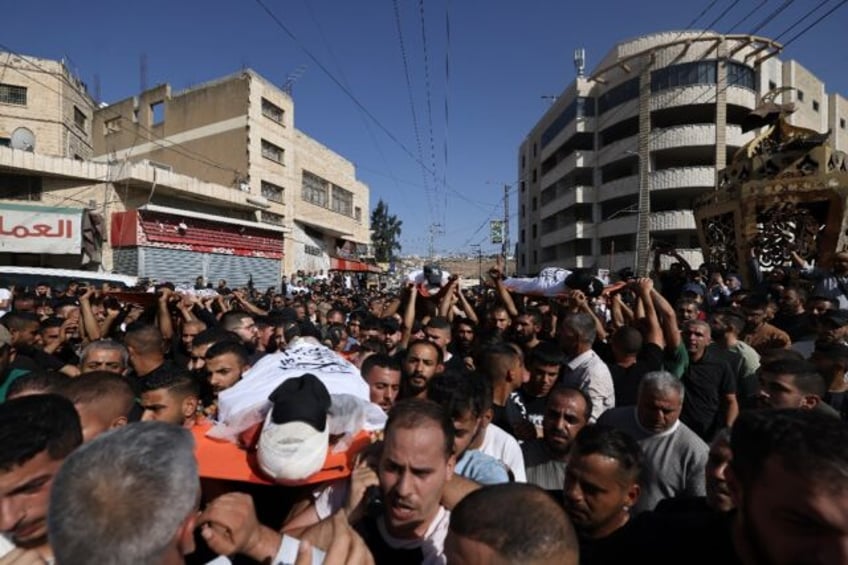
pixel 338 264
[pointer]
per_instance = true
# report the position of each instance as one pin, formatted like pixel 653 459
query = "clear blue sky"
pixel 503 57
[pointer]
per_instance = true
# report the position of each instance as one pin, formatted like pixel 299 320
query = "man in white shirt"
pixel 585 370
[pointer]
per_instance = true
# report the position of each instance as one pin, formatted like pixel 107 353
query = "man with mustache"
pixel 423 361
pixel 673 455
pixel 566 413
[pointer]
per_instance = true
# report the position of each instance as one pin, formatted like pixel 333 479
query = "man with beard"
pixel 36 434
pixel 172 398
pixel 673 455
pixel 243 325
pixel 422 362
pixel 789 479
pixel 567 411
pixel 759 334
pixel 393 337
pixel 438 330
pixel 526 330
pixel 462 344
pixel 382 373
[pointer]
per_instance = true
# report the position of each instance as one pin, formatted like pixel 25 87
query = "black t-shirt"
pixel 707 382
pixel 380 550
pixel 798 326
pixel 839 402
pixel 534 406
pixel 626 380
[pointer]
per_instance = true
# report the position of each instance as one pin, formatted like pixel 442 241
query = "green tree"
pixel 385 232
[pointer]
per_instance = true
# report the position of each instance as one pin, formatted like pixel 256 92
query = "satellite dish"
pixel 23 139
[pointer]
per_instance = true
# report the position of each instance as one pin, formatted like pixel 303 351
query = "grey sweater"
pixel 674 460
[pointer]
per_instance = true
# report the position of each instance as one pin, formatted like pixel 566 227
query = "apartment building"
pixel 612 167
pixel 60 209
pixel 238 132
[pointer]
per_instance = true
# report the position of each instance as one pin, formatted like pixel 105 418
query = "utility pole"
pixel 505 246
pixel 435 229
pixel 479 250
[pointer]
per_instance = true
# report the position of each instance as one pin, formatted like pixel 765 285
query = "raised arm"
pixel 643 287
pixel 89 322
pixel 671 331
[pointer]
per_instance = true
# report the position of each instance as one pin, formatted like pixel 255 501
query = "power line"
pixel 748 15
pixel 771 16
pixel 427 90
pixel 429 194
pixel 813 24
pixel 336 81
pixel 801 20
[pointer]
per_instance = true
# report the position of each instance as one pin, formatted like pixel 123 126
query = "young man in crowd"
pixel 382 373
pixel 37 433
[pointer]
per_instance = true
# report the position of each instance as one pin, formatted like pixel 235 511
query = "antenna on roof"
pixel 580 60
pixel 293 77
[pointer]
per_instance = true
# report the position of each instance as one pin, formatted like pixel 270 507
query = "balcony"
pixel 683 177
pixel 617 149
pixel 568 232
pixel 675 220
pixel 695 135
pixel 579 158
pixel 568 198
pixel 619 187
pixel 692 94
pixel 577 125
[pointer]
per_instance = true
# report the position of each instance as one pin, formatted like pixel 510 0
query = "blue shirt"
pixel 481 468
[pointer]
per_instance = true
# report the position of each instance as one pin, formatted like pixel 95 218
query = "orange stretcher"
pixel 221 459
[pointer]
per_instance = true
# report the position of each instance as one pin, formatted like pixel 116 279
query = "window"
pixel 741 75
pixel 112 126
pixel 342 201
pixel 273 192
pixel 357 213
pixel 11 94
pixel 625 91
pixel 272 111
pixel 815 105
pixel 800 95
pixel 314 189
pixel 535 177
pixel 523 210
pixel 271 218
pixel 157 112
pixel 521 239
pixel 523 186
pixel 772 85
pixel 535 232
pixel 579 108
pixel 20 187
pixel 272 152
pixel 535 203
pixel 841 123
pixel 79 118
pixel 684 74
pixel 523 161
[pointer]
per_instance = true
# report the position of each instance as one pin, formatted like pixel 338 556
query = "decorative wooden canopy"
pixel 785 190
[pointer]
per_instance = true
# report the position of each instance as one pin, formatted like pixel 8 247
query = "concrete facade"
pixel 44 97
pixel 624 150
pixel 238 131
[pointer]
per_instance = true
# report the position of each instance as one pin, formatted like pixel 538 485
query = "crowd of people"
pixel 682 417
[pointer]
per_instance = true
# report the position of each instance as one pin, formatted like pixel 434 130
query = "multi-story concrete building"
pixel 59 209
pixel 614 164
pixel 238 131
